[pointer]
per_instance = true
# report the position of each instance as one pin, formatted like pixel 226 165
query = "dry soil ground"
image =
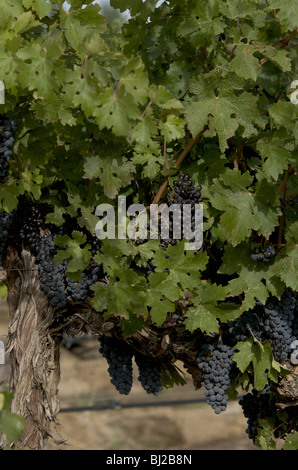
pixel 85 381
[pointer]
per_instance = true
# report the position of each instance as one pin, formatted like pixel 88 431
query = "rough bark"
pixel 34 354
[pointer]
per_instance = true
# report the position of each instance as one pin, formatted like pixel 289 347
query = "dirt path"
pixel 85 381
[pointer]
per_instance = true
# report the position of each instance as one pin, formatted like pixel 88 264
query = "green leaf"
pixel 37 70
pixel 9 196
pixel 135 79
pixel 149 156
pixel 205 313
pixel 238 223
pixel 116 111
pixel 113 172
pixel 278 57
pixel 260 355
pixel 269 78
pixel 145 129
pixel 78 258
pixel 80 90
pixel 275 157
pixel 132 324
pixel 160 294
pixel 239 215
pixel 283 113
pixel 12 425
pixel 41 7
pixel 265 437
pixel 244 63
pixel 287 13
pixel 222 109
pixel 173 128
pixel 75 32
pixel 184 267
pixel 56 217
pixel 123 296
pixel 162 98
pixel 286 267
pixel 291 442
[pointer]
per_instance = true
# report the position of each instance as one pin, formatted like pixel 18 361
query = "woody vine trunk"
pixel 34 353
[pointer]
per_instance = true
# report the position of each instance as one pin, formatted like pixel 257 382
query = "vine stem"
pixel 285 180
pixel 148 106
pixel 281 43
pixel 285 41
pixel 178 162
pixel 283 187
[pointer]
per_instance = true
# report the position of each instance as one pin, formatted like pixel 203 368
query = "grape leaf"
pixel 265 437
pixel 41 7
pixel 183 267
pixel 160 297
pixel 275 157
pixel 287 13
pixel 116 111
pixel 286 267
pixel 260 355
pixel 291 442
pixel 245 64
pixel 204 314
pixel 222 110
pixel 113 172
pixel 172 128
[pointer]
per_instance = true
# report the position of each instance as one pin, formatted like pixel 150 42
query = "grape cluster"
pixel 7 131
pixel 295 320
pixel 259 405
pixel 185 192
pixel 81 290
pixel 95 245
pixel 256 405
pixel 6 220
pixel 276 321
pixel 278 324
pixel 51 275
pixel 29 225
pixel 119 358
pixel 264 256
pixel 30 221
pixel 149 373
pixel 250 323
pixel 217 366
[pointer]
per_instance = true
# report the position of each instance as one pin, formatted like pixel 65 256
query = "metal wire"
pixel 116 405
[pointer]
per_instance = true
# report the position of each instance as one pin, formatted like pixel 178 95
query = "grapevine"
pixel 183 105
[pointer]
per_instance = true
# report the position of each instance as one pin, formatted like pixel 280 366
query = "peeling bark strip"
pixel 34 356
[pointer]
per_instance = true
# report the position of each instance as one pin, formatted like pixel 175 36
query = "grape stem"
pixel 179 160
